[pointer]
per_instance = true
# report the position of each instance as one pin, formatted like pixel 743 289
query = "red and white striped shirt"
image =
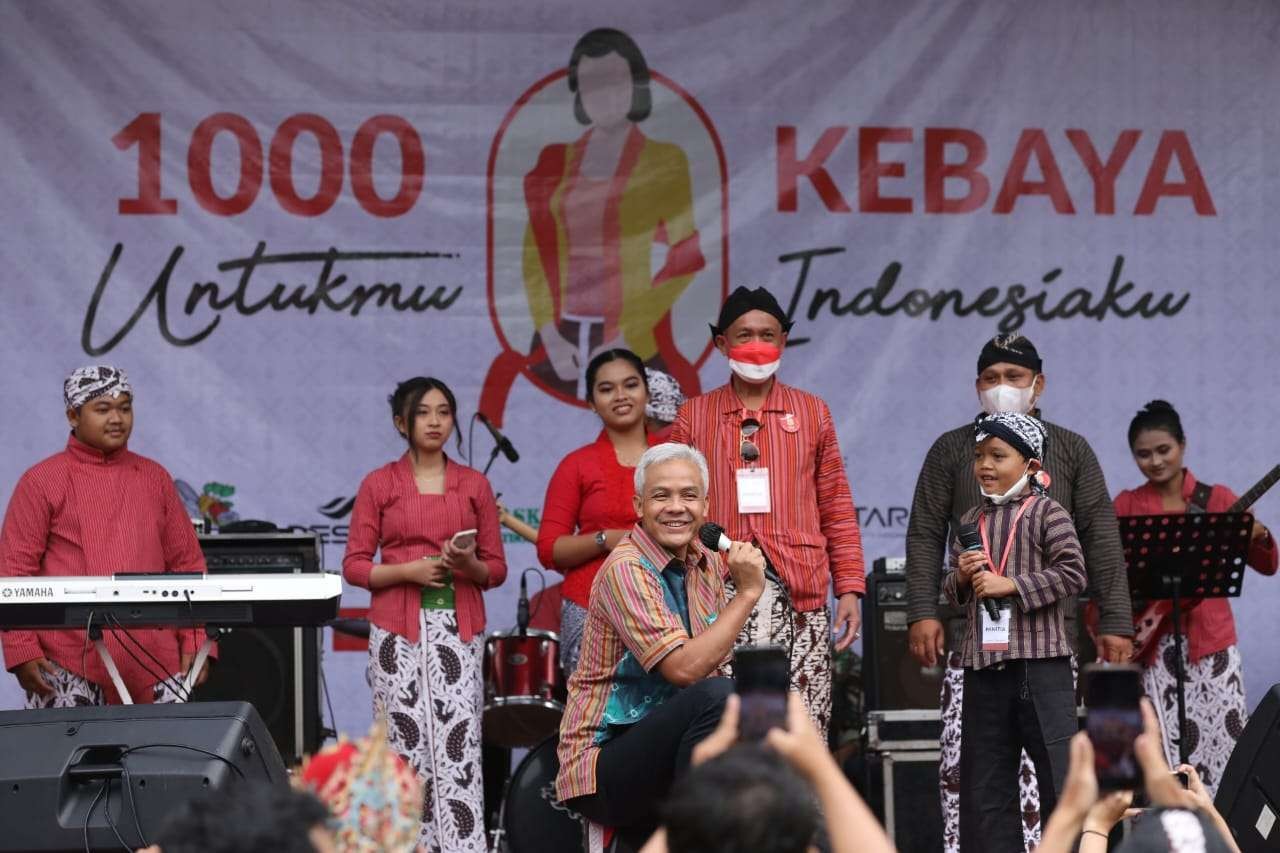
pixel 811 533
pixel 82 512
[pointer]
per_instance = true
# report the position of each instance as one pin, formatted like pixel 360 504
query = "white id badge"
pixel 753 490
pixel 995 633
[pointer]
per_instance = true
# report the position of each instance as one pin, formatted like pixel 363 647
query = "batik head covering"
pixel 743 300
pixel 1022 432
pixel 665 396
pixel 1013 349
pixel 1173 831
pixel 372 792
pixel 92 382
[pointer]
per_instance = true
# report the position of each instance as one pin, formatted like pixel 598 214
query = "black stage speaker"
pixel 68 769
pixel 892 678
pixel 1249 794
pixel 901 788
pixel 276 669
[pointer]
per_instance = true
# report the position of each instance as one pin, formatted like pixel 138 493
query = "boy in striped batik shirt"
pixel 1018 689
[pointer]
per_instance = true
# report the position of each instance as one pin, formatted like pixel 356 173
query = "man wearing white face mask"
pixel 779 481
pixel 1010 379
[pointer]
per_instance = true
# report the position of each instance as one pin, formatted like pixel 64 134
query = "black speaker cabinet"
pixel 901 787
pixel 1249 793
pixel 275 669
pixel 64 774
pixel 891 677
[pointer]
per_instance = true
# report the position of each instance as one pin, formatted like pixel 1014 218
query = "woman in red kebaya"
pixel 588 504
pixel 1216 710
pixel 434 526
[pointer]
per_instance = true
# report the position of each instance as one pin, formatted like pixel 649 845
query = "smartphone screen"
pixel 761 678
pixel 1114 720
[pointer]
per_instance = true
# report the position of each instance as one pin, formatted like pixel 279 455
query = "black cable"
pixel 133 806
pixel 89 814
pixel 174 683
pixel 188 747
pixel 542 581
pixel 106 810
pixel 471 433
pixel 333 720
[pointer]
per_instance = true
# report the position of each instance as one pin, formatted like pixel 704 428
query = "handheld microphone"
pixel 712 536
pixel 522 608
pixel 504 443
pixel 970 540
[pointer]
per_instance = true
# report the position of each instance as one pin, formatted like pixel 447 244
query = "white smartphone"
pixel 464 538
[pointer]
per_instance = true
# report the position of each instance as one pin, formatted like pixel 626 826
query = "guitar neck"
pixel 1259 489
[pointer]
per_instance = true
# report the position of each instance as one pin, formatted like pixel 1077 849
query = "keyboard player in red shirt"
pixel 97 508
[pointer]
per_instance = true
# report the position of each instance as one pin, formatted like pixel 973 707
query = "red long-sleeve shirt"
pixel 82 512
pixel 812 533
pixel 1209 625
pixel 589 491
pixel 390 516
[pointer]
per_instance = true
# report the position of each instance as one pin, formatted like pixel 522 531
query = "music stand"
pixel 1180 556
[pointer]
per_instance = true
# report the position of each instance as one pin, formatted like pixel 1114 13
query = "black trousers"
pixel 636 767
pixel 1023 704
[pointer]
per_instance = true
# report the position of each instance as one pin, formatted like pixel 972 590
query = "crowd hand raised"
pixel 927 641
pixel 1108 811
pixel 724 736
pixel 800 744
pixel 430 572
pixel 1079 794
pixel 746 567
pixel 1162 786
pixel 30 678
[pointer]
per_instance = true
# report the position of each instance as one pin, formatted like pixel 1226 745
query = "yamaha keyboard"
pixel 223 600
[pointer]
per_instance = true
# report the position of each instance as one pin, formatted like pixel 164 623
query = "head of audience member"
pixel 751 332
pixel 617 389
pixel 671 495
pixel 374 795
pixel 1181 830
pixel 424 412
pixel 1157 442
pixel 1008 455
pixel 248 818
pixel 99 403
pixel 665 400
pixel 1010 375
pixel 744 800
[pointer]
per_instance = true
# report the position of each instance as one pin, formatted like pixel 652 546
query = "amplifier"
pixel 277 670
pixel 892 678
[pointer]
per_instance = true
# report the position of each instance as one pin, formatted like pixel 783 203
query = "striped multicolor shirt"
pixel 645 604
pixel 811 534
pixel 1046 566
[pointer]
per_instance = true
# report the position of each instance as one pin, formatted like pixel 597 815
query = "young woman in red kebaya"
pixel 1216 709
pixel 433 524
pixel 588 504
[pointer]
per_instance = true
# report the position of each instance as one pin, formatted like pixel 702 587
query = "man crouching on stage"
pixel 658 627
pixel 95 508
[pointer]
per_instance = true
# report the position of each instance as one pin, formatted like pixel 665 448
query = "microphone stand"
pixel 493 455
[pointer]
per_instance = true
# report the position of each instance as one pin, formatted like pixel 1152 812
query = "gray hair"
pixel 667 453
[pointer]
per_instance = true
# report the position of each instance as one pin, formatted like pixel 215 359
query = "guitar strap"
pixel 1199 501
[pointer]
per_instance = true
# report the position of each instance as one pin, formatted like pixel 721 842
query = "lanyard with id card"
pixel 994 633
pixel 753 482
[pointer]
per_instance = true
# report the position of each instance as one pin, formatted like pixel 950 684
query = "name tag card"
pixel 753 490
pixel 995 632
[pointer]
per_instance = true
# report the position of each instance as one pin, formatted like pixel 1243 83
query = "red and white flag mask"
pixel 755 361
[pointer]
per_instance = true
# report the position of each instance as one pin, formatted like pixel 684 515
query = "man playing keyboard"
pixel 96 508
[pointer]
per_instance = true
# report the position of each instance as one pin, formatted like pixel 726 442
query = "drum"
pixel 524 689
pixel 532 820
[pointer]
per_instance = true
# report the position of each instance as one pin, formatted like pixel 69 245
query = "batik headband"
pixel 92 382
pixel 1013 349
pixel 1022 432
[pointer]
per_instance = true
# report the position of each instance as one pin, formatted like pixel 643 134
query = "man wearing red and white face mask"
pixel 777 480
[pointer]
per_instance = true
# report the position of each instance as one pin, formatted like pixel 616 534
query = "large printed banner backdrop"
pixel 269 213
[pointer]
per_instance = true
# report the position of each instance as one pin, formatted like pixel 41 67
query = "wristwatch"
pixel 600 541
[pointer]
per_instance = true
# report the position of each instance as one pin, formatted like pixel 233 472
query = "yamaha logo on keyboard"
pixel 27 592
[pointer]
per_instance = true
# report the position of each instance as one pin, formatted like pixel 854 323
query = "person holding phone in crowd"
pixel 433 524
pixel 588 506
pixel 1216 709
pixel 1019 692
